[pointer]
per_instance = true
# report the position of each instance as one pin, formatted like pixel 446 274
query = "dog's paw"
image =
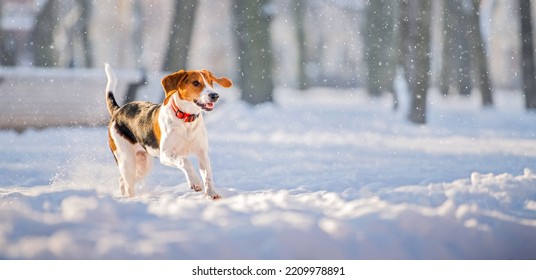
pixel 212 195
pixel 196 187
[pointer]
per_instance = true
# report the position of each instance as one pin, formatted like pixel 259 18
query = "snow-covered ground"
pixel 326 174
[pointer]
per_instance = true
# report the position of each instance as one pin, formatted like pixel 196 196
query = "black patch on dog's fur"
pixel 111 103
pixel 134 121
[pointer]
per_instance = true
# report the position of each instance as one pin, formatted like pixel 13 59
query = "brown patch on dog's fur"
pixel 112 145
pixel 170 83
pixel 190 88
pixel 222 81
pixel 156 126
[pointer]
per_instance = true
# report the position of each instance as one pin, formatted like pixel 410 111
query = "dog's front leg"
pixel 206 174
pixel 186 166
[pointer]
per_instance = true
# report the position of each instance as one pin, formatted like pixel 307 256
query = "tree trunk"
pixel 379 41
pixel 180 35
pixel 43 35
pixel 456 62
pixel 416 22
pixel 465 84
pixel 447 81
pixel 479 55
pixel 137 33
pixel 302 44
pixel 86 8
pixel 255 51
pixel 527 53
pixel 8 50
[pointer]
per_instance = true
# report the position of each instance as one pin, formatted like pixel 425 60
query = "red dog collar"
pixel 182 115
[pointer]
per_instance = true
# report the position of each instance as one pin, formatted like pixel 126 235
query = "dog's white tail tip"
pixel 112 78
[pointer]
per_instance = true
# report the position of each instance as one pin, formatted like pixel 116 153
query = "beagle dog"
pixel 171 130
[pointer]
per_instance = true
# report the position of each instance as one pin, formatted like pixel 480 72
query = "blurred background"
pixel 456 47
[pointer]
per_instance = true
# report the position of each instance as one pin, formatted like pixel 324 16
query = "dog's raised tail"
pixel 110 89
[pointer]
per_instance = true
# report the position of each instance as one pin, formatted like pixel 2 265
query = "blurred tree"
pixel 8 51
pixel 43 35
pixel 527 53
pixel 180 36
pixel 255 51
pixel 446 79
pixel 86 7
pixel 464 55
pixel 415 39
pixel 380 45
pixel 137 38
pixel 138 32
pixel 299 10
pixel 479 54
pixel 456 66
pixel 76 27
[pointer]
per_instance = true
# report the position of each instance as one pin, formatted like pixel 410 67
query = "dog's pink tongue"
pixel 210 105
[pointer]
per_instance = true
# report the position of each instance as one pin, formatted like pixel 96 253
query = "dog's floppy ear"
pixel 222 81
pixel 170 83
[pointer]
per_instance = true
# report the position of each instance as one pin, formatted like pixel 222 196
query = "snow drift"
pixel 321 175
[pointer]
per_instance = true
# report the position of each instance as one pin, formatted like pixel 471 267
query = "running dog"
pixel 170 131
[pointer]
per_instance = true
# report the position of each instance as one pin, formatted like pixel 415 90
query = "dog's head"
pixel 195 86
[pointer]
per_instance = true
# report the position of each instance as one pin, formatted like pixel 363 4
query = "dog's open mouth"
pixel 209 106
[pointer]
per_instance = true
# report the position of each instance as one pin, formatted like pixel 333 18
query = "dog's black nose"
pixel 213 96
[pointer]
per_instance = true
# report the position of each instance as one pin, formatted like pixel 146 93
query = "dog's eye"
pixel 196 83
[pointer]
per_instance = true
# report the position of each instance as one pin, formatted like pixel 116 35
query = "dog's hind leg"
pixel 125 154
pixel 127 168
pixel 143 164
